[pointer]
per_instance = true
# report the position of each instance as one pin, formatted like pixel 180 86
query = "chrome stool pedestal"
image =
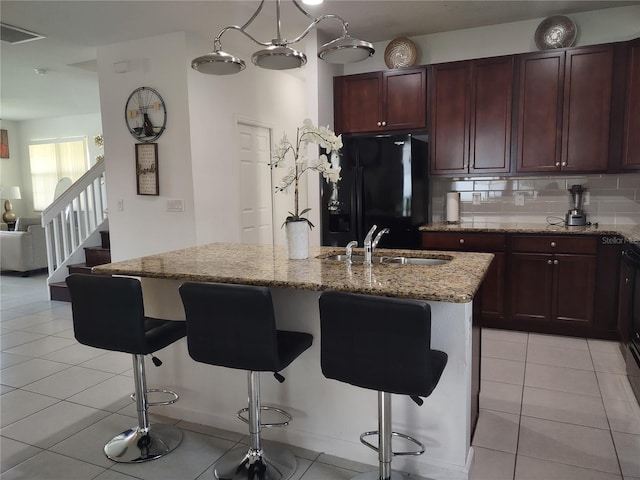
pixel 145 441
pixel 254 463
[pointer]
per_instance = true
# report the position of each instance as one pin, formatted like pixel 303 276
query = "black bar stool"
pixel 234 326
pixel 381 344
pixel 108 313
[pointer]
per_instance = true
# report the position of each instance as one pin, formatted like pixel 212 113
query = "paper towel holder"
pixel 452 208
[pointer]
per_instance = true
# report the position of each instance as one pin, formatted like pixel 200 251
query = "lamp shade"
pixel 218 63
pixel 345 49
pixel 11 193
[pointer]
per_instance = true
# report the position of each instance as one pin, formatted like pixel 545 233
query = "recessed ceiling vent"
pixel 11 34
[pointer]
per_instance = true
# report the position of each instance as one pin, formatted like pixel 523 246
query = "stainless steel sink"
pixel 415 260
pixel 392 260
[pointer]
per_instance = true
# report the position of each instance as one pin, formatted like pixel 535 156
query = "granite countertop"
pixel 630 232
pixel 456 281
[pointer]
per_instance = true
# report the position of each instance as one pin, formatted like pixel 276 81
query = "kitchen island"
pixel 328 415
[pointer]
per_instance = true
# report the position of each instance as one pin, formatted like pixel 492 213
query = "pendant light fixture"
pixel 277 54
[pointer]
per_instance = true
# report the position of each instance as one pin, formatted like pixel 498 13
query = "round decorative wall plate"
pixel 145 114
pixel 558 31
pixel 401 52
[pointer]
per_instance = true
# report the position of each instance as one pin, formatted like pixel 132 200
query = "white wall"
pixel 198 159
pixel 268 98
pixel 143 226
pixel 600 26
pixel 18 171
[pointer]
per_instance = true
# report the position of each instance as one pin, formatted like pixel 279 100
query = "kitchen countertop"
pixel 630 232
pixel 456 281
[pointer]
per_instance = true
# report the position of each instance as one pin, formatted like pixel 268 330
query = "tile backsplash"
pixel 610 199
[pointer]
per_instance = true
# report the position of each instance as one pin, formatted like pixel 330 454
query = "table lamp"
pixel 10 193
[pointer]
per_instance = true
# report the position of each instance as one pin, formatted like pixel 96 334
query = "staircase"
pixel 74 223
pixel 93 256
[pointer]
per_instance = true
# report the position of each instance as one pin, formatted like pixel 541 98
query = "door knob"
pixel 461 241
pixel 379 124
pixel 555 262
pixel 549 262
pixel 384 124
pixel 553 244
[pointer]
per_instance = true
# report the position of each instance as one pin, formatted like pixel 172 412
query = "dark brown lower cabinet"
pixel 556 284
pixel 552 288
pixel 492 295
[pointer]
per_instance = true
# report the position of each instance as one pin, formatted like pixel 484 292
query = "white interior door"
pixel 256 210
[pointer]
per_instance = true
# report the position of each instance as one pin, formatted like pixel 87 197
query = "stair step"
pixel 60 292
pixel 97 256
pixel 105 240
pixel 79 268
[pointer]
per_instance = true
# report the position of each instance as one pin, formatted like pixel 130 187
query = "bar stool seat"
pixel 234 326
pixel 108 313
pixel 381 344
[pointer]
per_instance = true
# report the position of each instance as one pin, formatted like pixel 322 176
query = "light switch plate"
pixel 175 205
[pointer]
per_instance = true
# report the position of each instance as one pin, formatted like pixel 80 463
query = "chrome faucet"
pixel 350 247
pixel 377 239
pixel 368 250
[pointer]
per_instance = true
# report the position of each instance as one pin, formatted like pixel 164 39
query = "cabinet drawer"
pixel 482 242
pixel 555 244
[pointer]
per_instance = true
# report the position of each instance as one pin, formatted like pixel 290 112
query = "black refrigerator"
pixel 385 183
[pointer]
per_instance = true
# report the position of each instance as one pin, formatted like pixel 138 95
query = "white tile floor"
pixel 552 408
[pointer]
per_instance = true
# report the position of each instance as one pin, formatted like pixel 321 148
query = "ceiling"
pixel 74 30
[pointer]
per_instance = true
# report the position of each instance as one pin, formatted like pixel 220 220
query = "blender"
pixel 575 216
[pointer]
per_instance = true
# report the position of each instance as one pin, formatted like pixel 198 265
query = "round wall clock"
pixel 145 114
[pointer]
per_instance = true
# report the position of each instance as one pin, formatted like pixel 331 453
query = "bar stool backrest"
pixel 108 312
pixel 378 343
pixel 231 326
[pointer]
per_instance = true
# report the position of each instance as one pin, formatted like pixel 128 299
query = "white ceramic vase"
pixel 297 240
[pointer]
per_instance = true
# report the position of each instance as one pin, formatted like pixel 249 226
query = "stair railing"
pixel 74 216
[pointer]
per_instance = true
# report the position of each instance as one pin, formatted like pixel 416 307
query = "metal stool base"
pixel 136 446
pixel 375 475
pixel 243 463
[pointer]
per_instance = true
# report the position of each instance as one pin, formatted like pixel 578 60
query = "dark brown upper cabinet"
pixel 471 104
pixel 381 101
pixel 564 110
pixel 631 141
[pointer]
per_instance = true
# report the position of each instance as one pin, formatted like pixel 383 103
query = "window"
pixel 52 161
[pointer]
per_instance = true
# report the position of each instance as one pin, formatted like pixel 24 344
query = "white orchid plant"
pixel 306 134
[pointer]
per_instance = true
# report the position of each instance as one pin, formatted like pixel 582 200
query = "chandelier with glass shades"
pixel 277 54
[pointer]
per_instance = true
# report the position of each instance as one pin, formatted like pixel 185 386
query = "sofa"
pixel 23 249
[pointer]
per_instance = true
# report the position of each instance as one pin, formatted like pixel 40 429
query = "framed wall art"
pixel 147 169
pixel 4 144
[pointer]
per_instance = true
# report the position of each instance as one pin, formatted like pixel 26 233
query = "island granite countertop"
pixel 630 232
pixel 456 281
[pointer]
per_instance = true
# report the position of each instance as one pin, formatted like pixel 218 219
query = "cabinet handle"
pixel 384 124
pixel 626 280
pixel 461 241
pixel 557 164
pixel 553 244
pixel 555 262
pixel 564 164
pixel 549 262
pixel 379 124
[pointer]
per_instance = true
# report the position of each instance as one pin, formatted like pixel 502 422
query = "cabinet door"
pixel 540 112
pixel 587 109
pixel 627 275
pixel 450 118
pixel 631 144
pixel 492 304
pixel 358 102
pixel 404 99
pixel 530 292
pixel 574 292
pixel 491 101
